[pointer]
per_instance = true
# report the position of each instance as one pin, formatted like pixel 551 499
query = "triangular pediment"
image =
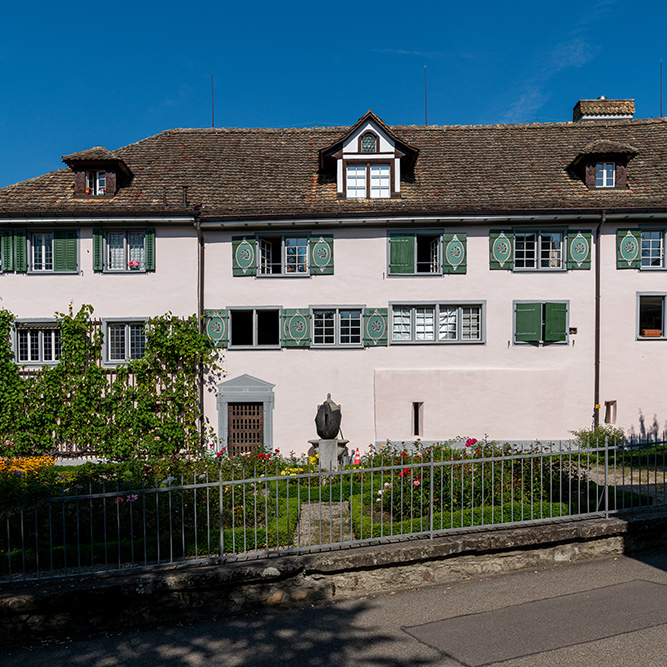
pixel 245 382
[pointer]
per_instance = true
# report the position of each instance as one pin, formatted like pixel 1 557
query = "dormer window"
pixel 96 183
pixel 605 175
pixel 369 143
pixel 356 181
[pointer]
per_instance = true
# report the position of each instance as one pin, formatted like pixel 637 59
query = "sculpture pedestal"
pixel 329 452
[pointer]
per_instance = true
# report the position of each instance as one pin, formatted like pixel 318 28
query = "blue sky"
pixel 111 73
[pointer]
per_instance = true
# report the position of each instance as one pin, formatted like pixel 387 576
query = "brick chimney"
pixel 603 109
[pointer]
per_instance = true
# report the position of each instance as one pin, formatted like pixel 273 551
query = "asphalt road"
pixel 610 612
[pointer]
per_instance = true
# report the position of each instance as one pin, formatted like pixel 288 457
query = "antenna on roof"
pixel 425 100
pixel 212 106
pixel 660 87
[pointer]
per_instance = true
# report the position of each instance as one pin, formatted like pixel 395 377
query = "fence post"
pixel 430 500
pixel 606 477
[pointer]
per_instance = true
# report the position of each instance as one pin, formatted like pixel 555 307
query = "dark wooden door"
pixel 245 427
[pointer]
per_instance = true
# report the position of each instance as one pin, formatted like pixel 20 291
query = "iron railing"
pixel 291 508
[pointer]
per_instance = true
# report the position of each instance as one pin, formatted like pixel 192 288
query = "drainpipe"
pixel 200 303
pixel 596 409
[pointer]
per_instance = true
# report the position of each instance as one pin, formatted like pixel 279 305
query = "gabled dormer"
pixel 368 160
pixel 603 164
pixel 98 172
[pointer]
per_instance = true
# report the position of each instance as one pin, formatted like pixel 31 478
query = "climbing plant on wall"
pixel 145 407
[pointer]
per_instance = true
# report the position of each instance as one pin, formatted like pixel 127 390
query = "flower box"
pixel 133 265
pixel 651 333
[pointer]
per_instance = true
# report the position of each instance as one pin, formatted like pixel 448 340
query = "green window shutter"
pixel 244 256
pixel 295 328
pixel 455 253
pixel 528 322
pixel 401 253
pixel 7 250
pixel 20 251
pixel 149 240
pixel 628 244
pixel 321 254
pixel 555 322
pixel 375 326
pixel 578 249
pixel 98 252
pixel 215 327
pixel 501 250
pixel 64 251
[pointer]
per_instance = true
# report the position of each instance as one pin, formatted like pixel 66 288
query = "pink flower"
pixel 470 442
pixel 416 482
pixel 132 497
pixel 118 500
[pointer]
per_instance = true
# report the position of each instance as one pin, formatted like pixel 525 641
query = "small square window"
pixel 653 249
pixel 125 251
pixel 96 183
pixel 336 327
pixel 538 250
pixel 125 341
pixel 254 327
pixel 651 316
pixel 283 255
pixel 37 343
pixel 605 175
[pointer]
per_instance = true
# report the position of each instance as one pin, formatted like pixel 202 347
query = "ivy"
pixel 148 407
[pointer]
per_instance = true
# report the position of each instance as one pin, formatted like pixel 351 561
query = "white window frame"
pixel 539 233
pixel 266 260
pixel 337 326
pixel 38 330
pixel 379 181
pixel 255 331
pixel 638 329
pixel 368 180
pixel 45 263
pixel 356 177
pixel 96 183
pixel 419 336
pixel 653 245
pixel 605 174
pixel 126 268
pixel 129 325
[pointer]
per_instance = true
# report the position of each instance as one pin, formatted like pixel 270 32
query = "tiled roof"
pixel 96 153
pixel 274 173
pixel 604 146
pixel 604 107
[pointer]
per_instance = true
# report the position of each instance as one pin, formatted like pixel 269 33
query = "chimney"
pixel 603 109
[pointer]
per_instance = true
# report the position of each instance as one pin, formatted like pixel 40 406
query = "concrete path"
pixel 606 613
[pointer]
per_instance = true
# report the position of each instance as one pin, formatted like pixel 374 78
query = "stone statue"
pixel 327 420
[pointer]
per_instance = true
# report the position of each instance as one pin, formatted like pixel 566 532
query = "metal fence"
pixel 294 507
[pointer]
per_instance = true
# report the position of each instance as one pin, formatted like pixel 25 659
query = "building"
pixel 437 281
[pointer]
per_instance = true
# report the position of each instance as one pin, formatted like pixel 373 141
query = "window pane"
pixel 380 175
pixel 137 341
pixel 368 143
pixel 116 333
pixel 296 255
pixel 525 251
pixel 551 250
pixel 268 327
pixel 116 251
pixel 42 252
pixel 401 323
pixel 651 316
pixel 23 346
pixel 356 181
pixel 324 327
pixel 470 323
pixel 447 323
pixel 424 323
pixel 350 327
pixel 101 183
pixel 136 250
pixel 652 248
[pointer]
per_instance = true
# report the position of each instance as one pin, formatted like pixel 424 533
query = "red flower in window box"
pixel 134 265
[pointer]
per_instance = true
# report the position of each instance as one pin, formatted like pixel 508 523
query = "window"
pixel 125 340
pixel 96 182
pixel 53 251
pixel 437 323
pixel 540 322
pixel 652 256
pixel 651 316
pixel 605 175
pixel 37 343
pixel 126 251
pixel 415 253
pixel 538 250
pixel 610 412
pixel 337 327
pixel 283 255
pixel 254 328
pixel 417 419
pixel 356 181
pixel 368 181
pixel 368 143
